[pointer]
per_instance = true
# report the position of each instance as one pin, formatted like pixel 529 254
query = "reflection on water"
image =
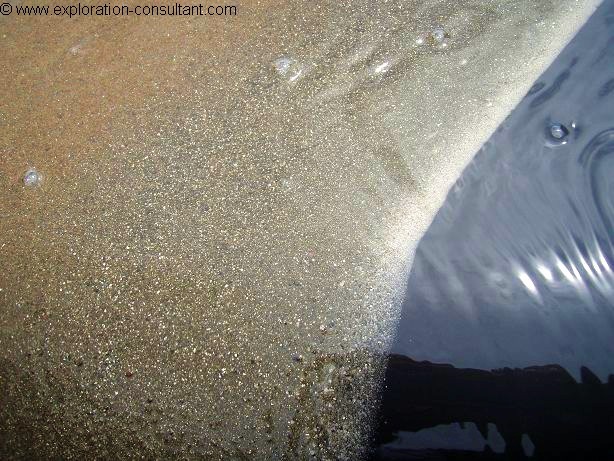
pixel 455 436
pixel 439 412
pixel 515 275
pixel 516 269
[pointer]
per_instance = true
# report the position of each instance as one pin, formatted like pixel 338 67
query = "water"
pixel 515 276
pixel 524 240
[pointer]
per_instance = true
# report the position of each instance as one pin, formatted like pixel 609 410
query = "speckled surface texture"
pixel 205 222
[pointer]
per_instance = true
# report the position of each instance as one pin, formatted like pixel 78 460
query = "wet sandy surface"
pixel 210 263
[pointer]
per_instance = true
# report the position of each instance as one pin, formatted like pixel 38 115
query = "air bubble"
pixel 289 68
pixel 32 178
pixel 559 131
pixel 439 35
pixel 437 38
pixel 283 65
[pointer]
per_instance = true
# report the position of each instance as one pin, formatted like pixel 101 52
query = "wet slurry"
pixel 209 262
pixel 508 318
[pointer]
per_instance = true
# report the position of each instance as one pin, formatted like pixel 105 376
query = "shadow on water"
pixel 505 347
pixel 540 411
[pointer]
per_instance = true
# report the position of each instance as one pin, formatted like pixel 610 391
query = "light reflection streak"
pixel 529 284
pixel 545 272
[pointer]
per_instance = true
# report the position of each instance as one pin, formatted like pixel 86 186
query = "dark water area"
pixel 434 411
pixel 505 347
